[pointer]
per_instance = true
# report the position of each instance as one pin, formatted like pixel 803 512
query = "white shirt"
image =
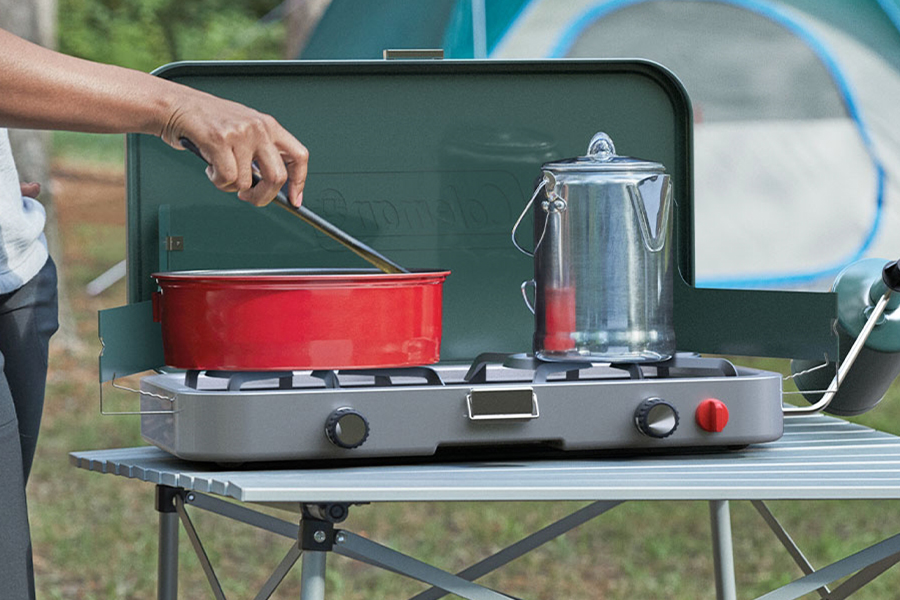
pixel 23 247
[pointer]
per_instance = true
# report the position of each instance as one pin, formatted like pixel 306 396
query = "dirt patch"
pixel 89 202
pixel 87 193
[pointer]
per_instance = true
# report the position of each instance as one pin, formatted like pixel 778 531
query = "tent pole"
pixel 479 29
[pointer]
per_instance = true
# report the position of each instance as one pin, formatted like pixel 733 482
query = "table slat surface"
pixel 819 457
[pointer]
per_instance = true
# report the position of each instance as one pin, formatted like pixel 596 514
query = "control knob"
pixel 712 415
pixel 656 418
pixel 346 428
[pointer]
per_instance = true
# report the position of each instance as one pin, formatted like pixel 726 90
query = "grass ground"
pixel 94 536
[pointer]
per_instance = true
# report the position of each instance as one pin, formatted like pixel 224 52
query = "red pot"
pixel 298 319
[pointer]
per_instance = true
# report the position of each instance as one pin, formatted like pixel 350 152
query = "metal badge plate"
pixel 502 404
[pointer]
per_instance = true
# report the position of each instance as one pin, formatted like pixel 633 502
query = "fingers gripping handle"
pixel 339 235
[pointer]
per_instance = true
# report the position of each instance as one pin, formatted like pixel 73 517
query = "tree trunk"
pixel 35 20
pixel 301 17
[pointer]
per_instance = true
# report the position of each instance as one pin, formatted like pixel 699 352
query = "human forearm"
pixel 43 89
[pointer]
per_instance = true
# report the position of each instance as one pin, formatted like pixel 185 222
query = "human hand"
pixel 232 137
pixel 30 189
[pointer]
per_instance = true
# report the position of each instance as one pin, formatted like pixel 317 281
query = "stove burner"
pixel 236 379
pixel 382 376
pixel 526 362
pixel 331 378
pixel 680 365
pixel 692 365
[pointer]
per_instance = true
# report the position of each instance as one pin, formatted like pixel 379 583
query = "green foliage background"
pixel 146 34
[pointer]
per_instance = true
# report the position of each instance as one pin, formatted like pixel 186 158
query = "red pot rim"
pixel 253 276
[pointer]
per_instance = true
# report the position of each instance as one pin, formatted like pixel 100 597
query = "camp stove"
pixel 430 163
pixel 503 404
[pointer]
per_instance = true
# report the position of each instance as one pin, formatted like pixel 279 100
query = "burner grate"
pixel 534 369
pixel 681 365
pixel 236 380
pixel 382 377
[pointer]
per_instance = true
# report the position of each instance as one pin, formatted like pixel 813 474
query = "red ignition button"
pixel 712 415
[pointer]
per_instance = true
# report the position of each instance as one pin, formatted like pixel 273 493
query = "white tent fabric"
pixel 793 121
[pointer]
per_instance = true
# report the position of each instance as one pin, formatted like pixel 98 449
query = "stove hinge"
pixel 413 53
pixel 174 243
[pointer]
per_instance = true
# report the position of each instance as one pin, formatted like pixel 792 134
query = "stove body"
pixel 440 411
pixel 430 163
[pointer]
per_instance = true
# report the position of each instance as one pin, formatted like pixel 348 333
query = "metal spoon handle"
pixel 339 235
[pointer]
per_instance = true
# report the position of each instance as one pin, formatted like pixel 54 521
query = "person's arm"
pixel 42 89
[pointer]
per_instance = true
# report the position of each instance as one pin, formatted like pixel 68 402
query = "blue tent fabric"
pixel 595 28
pixel 459 38
pixel 874 23
pixel 865 184
pixel 567 40
pixel 354 29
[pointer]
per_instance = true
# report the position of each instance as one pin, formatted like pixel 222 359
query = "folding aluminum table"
pixel 818 458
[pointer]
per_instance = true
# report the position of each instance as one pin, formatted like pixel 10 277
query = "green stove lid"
pixel 430 162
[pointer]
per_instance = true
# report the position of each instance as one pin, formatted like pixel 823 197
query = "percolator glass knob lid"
pixel 601 147
pixel 601 157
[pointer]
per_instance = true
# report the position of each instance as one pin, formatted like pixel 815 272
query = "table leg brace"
pixel 359 548
pixel 525 545
pixel 869 563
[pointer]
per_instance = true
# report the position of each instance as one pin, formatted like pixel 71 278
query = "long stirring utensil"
pixel 339 235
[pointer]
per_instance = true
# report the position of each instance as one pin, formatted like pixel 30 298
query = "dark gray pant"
pixel 28 317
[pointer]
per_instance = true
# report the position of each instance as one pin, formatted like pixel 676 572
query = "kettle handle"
pixel 522 216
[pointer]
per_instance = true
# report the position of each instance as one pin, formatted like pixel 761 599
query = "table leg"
pixel 168 557
pixel 723 552
pixel 312 576
pixel 167 565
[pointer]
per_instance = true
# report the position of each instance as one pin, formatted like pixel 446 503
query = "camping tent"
pixel 797 152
